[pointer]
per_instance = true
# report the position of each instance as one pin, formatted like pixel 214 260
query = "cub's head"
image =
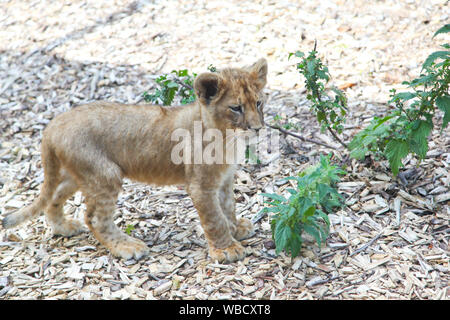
pixel 233 97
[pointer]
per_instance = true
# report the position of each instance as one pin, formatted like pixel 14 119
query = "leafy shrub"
pixel 406 129
pixel 307 207
pixel 330 111
pixel 178 83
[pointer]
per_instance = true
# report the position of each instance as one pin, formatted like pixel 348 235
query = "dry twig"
pixel 301 138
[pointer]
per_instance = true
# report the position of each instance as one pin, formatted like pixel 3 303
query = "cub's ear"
pixel 259 72
pixel 208 87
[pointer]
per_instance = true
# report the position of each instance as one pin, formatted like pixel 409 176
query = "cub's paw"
pixel 230 254
pixel 129 248
pixel 244 229
pixel 68 228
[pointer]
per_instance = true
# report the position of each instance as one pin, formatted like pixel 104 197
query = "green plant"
pixel 279 122
pixel 212 68
pixel 251 157
pixel 178 83
pixel 330 111
pixel 129 229
pixel 307 207
pixel 406 128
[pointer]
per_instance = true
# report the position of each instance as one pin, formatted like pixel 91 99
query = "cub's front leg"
pixel 241 228
pixel 218 229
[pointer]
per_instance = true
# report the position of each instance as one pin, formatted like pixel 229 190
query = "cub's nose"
pixel 256 128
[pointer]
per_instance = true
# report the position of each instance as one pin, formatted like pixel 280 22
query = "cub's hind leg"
pixel 101 181
pixel 101 204
pixel 54 212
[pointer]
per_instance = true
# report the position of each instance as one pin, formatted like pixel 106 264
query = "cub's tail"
pixel 51 174
pixel 24 214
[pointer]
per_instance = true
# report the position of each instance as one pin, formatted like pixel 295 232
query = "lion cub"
pixel 93 147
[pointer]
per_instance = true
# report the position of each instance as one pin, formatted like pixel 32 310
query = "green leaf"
pixel 291 191
pixel 370 135
pixel 281 236
pixel 405 96
pixel 430 78
pixel 298 54
pixel 324 216
pixel 129 228
pixel 323 74
pixel 298 179
pixel 419 137
pixel 435 55
pixel 306 208
pixel 358 152
pixel 172 84
pixel 309 212
pixel 295 244
pixel 368 140
pixel 274 196
pixel 321 116
pixel 170 95
pixel 443 103
pixel 315 232
pixel 444 29
pixel 311 66
pixel 395 151
pixel 267 209
pixel 324 190
pixel 292 213
pixel 283 208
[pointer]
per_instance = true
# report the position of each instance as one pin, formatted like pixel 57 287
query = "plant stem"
pixel 183 84
pixel 317 93
pixel 336 137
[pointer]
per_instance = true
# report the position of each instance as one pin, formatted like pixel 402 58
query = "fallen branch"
pixel 302 138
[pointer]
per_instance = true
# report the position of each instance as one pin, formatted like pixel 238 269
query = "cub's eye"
pixel 236 109
pixel 259 104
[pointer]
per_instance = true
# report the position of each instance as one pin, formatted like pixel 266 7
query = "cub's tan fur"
pixel 93 147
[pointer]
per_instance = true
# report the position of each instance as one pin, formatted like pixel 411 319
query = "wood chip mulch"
pixel 391 241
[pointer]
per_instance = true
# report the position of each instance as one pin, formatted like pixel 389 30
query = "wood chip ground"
pixel 390 242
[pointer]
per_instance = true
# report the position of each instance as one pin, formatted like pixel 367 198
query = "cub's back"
pixel 135 137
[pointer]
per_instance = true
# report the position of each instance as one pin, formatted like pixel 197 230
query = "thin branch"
pixel 301 138
pixel 337 138
pixel 313 282
pixel 368 244
pixel 177 80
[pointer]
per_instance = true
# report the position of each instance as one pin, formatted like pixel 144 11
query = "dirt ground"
pixel 391 241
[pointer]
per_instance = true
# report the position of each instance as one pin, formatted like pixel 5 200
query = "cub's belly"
pixel 167 174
